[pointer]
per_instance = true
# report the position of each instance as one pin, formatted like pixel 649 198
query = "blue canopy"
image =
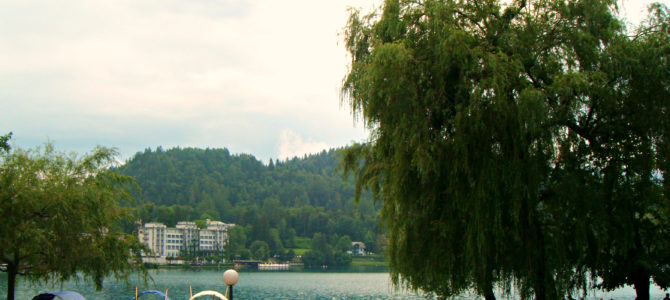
pixel 152 292
pixel 62 295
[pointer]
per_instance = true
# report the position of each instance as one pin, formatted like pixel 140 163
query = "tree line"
pixel 272 204
pixel 74 216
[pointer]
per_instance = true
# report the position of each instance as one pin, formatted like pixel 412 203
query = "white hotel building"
pixel 184 239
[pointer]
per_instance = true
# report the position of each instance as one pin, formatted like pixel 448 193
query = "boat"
pixel 62 295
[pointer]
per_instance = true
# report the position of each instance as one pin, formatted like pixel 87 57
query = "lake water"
pixel 262 285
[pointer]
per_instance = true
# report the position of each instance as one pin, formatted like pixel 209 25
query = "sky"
pixel 260 77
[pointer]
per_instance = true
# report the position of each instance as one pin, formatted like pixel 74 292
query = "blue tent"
pixel 59 295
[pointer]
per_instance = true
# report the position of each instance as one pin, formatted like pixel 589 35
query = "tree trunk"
pixel 641 286
pixel 544 281
pixel 540 291
pixel 12 272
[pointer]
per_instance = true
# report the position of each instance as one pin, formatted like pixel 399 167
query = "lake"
pixel 263 285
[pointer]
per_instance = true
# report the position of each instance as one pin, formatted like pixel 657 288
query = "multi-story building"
pixel 214 237
pixel 190 237
pixel 152 235
pixel 186 239
pixel 173 242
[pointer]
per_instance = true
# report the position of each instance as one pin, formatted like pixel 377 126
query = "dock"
pixel 273 267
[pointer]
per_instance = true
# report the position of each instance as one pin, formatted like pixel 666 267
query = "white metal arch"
pixel 209 293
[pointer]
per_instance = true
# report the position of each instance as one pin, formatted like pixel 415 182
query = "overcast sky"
pixel 257 77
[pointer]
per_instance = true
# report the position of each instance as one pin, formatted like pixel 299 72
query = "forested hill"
pixel 292 198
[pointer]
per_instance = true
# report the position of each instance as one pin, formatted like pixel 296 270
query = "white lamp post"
pixel 230 278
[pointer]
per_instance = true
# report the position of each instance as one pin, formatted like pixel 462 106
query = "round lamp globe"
pixel 230 277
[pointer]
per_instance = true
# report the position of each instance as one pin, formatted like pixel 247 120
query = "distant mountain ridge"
pixel 291 198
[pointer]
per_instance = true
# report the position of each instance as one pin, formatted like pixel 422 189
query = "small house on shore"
pixel 358 248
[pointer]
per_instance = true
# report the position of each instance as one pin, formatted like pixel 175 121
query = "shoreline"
pixel 293 268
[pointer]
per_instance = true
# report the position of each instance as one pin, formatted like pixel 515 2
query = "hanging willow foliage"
pixel 508 141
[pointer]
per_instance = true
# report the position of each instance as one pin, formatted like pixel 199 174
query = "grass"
pixel 368 262
pixel 303 242
pixel 300 251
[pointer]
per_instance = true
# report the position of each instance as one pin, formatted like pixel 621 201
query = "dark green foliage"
pixel 324 254
pixel 61 217
pixel 4 142
pixel 343 244
pixel 260 250
pixel 520 142
pixel 237 241
pixel 630 149
pixel 274 203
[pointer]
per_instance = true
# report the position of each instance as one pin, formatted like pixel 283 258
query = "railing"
pixel 208 293
pixel 160 294
pixel 230 278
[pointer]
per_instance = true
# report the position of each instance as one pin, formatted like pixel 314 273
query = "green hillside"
pixel 277 204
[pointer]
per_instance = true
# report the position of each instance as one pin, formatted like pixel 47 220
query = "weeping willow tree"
pixel 493 130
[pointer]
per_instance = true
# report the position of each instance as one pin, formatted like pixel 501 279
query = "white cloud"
pixel 292 145
pixel 137 74
pixel 244 74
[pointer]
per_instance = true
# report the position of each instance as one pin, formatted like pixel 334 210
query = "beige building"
pixel 214 237
pixel 152 235
pixel 184 239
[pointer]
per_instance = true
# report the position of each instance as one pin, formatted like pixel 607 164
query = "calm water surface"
pixel 262 285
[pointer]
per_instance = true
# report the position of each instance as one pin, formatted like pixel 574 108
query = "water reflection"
pixel 333 284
